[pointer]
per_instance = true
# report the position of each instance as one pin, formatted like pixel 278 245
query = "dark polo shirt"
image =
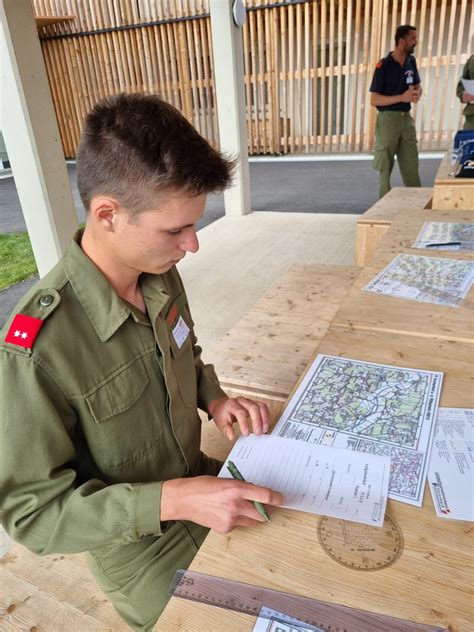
pixel 390 78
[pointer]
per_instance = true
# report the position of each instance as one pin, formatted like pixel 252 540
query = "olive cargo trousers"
pixel 396 135
pixel 136 576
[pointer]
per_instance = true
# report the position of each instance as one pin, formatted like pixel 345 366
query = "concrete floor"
pixel 241 257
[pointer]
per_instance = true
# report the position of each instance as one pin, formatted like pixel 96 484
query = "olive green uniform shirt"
pixel 467 73
pixel 100 411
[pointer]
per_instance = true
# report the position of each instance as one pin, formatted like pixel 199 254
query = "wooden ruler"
pixel 233 595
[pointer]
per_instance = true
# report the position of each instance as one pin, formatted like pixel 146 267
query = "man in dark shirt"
pixel 395 86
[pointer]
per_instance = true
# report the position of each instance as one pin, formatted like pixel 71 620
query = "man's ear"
pixel 104 211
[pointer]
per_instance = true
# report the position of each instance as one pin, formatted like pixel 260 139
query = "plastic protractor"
pixel 359 546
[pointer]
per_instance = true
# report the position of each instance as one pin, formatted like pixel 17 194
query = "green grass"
pixel 16 259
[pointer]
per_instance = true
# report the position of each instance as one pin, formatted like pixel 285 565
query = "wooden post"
pixel 229 83
pixel 32 137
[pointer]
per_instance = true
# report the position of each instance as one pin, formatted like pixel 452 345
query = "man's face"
pixel 158 239
pixel 410 42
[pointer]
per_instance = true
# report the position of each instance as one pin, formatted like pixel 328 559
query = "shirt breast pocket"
pixel 124 426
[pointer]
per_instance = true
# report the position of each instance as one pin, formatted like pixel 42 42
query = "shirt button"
pixel 46 300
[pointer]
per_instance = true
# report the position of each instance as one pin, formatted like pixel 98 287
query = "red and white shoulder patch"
pixel 23 331
pixel 380 64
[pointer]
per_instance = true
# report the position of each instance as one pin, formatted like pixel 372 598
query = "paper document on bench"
pixel 446 236
pixel 451 468
pixel 273 621
pixel 316 478
pixel 368 407
pixel 426 279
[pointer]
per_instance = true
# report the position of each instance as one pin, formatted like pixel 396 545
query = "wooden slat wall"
pixel 308 65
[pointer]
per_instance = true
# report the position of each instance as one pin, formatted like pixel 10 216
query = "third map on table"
pixel 370 408
pixel 427 279
pixel 446 236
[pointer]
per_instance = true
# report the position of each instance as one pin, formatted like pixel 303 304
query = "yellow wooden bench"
pixel 374 223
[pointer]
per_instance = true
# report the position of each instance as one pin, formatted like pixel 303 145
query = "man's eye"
pixel 174 232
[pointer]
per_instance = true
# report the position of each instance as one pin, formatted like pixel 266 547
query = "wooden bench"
pixel 265 353
pixel 375 222
pixel 451 193
pixel 54 592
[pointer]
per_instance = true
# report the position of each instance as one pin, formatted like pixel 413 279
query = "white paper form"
pixel 273 621
pixel 451 468
pixel 316 478
pixel 368 407
pixel 468 85
pixel 426 279
pixel 446 236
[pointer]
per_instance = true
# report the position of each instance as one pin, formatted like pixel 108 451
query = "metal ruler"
pixel 233 595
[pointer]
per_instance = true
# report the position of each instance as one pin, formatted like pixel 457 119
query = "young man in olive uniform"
pixel 466 97
pixel 102 375
pixel 395 86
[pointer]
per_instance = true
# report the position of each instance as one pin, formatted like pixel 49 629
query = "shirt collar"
pixel 104 307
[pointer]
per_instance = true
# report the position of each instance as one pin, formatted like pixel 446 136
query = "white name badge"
pixel 180 332
pixel 410 79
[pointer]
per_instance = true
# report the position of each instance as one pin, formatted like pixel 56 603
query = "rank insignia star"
pixel 23 331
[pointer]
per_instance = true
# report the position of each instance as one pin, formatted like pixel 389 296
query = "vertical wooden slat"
pixel 284 74
pixel 323 127
pixel 261 83
pixel 291 72
pixel 268 81
pixel 347 74
pixel 299 78
pixel 339 97
pixel 364 143
pixel 426 87
pixel 276 82
pixel 315 67
pixel 331 73
pixel 307 91
pixel 355 99
pixel 449 46
pixel 253 45
pixel 435 96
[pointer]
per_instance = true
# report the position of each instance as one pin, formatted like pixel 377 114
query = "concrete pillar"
pixel 29 127
pixel 229 82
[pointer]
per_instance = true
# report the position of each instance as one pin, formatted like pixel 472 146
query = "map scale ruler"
pixel 248 599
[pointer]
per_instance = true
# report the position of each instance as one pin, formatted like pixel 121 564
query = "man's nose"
pixel 191 242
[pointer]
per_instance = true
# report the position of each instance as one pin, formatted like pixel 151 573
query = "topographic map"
pixel 428 279
pixel 369 408
pixel 446 236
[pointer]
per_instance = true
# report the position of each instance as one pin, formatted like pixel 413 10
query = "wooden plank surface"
pixel 374 223
pixel 54 592
pixel 452 193
pixel 264 354
pixel 363 310
pixel 430 583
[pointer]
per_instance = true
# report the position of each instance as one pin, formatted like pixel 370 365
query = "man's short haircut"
pixel 137 148
pixel 402 32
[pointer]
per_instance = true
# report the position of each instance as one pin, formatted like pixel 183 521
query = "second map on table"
pixel 371 408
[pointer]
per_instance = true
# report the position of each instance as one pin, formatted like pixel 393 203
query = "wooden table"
pixel 451 193
pixel 430 583
pixel 375 222
pixel 286 323
pixel 368 311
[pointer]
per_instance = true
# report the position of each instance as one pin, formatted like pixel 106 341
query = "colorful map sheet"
pixel 446 236
pixel 427 279
pixel 368 407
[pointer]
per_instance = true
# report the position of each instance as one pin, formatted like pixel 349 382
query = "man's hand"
pixel 411 95
pixel 467 97
pixel 218 503
pixel 227 410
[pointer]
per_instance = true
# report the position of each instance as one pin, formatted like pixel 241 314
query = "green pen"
pixel 238 476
